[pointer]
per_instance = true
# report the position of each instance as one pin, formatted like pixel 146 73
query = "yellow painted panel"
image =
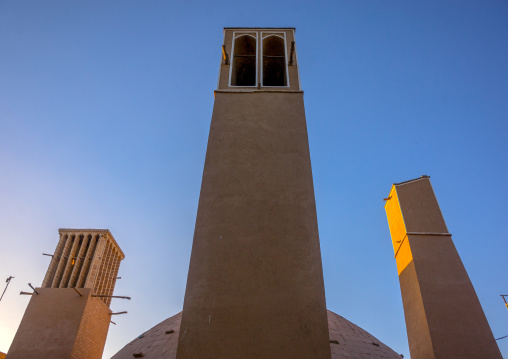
pixel 395 219
pixel 403 256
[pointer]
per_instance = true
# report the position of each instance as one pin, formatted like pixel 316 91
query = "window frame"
pixel 235 36
pixel 281 34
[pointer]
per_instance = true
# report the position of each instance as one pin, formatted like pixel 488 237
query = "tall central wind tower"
pixel 255 286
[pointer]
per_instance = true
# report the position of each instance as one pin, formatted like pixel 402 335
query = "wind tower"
pixel 444 318
pixel 69 316
pixel 255 285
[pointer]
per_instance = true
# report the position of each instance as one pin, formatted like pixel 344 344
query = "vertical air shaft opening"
pixel 244 61
pixel 55 261
pixel 78 266
pixel 65 261
pixel 82 282
pixel 274 61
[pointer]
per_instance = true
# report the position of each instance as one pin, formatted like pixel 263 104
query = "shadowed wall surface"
pixel 255 285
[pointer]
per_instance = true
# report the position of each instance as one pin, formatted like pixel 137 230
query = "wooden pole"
pixel 110 296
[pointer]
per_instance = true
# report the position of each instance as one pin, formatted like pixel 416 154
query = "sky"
pixel 105 108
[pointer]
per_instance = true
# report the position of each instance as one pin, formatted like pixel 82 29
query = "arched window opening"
pixel 244 62
pixel 274 61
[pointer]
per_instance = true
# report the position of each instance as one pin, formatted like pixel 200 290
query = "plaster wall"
pixel 444 317
pixel 255 286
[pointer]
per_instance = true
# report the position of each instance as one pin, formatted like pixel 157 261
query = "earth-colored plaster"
pixel 347 341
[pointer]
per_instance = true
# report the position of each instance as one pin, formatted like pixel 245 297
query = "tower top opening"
pixel 259 59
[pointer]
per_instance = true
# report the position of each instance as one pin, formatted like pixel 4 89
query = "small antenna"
pixel 8 281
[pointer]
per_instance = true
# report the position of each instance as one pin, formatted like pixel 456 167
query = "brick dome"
pixel 347 340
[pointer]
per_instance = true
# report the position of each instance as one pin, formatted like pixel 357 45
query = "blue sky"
pixel 104 115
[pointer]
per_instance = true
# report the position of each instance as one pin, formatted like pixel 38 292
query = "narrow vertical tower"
pixel 69 316
pixel 444 318
pixel 255 286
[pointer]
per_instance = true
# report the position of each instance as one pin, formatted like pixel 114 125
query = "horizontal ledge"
pixel 256 90
pixel 428 234
pixel 66 257
pixel 418 234
pixel 81 230
pixel 260 28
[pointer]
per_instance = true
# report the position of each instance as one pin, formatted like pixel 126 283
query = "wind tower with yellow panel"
pixel 444 318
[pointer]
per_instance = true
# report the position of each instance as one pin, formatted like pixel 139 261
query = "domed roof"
pixel 347 340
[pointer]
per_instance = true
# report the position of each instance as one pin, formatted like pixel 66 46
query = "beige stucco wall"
pixel 255 286
pixel 444 317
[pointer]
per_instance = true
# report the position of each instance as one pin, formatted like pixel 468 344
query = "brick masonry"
pixel 347 341
pixel 60 324
pixel 93 330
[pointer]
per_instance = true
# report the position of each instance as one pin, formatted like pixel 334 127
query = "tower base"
pixel 60 324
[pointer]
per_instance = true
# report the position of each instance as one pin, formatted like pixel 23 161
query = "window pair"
pixel 243 72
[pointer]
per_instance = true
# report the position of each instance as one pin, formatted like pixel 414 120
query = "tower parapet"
pixel 259 59
pixel 85 258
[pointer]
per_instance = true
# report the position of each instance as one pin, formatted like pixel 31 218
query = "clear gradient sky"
pixel 105 108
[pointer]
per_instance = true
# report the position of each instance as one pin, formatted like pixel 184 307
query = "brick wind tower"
pixel 69 316
pixel 255 285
